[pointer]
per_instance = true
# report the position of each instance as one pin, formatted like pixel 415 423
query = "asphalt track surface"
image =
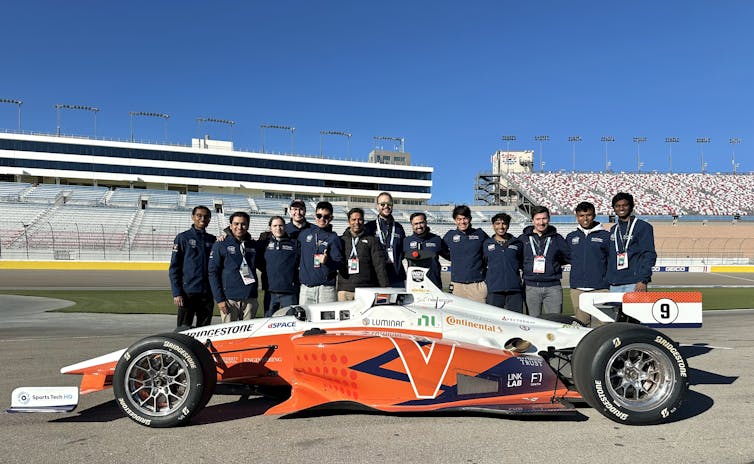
pixel 715 424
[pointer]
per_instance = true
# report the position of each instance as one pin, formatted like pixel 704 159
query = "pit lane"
pixel 714 424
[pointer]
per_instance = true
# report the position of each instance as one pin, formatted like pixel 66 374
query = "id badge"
pixel 390 255
pixel 622 261
pixel 319 258
pixel 246 275
pixel 539 265
pixel 353 265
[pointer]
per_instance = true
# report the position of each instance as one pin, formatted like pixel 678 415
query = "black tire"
pixel 163 380
pixel 630 373
pixel 561 318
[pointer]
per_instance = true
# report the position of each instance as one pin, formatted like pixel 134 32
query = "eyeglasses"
pixel 384 205
pixel 326 217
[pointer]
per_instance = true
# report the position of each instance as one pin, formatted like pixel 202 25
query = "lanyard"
pixel 384 236
pixel 354 241
pixel 534 251
pixel 619 235
pixel 243 254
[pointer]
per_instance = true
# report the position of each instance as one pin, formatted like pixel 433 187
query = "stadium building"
pixel 205 166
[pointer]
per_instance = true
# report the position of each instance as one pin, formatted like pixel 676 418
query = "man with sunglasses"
pixel 321 256
pixel 390 234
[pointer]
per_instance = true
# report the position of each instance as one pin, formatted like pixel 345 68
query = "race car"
pixel 405 350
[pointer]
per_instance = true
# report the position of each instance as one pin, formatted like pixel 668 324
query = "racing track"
pixel 714 425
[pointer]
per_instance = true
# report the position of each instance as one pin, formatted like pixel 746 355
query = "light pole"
pixel 540 139
pixel 574 139
pixel 330 132
pixel 607 139
pixel 163 116
pixel 670 141
pixel 508 139
pixel 733 142
pixel 14 102
pixel 275 126
pixel 701 141
pixel 94 111
pixel 227 122
pixel 638 141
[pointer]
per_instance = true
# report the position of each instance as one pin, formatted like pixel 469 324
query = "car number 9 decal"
pixel 665 311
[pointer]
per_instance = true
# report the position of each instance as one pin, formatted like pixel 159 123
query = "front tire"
pixel 163 380
pixel 632 374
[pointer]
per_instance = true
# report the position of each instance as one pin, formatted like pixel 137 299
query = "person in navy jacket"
pixel 423 240
pixel 390 234
pixel 545 251
pixel 503 256
pixel 298 223
pixel 232 271
pixel 467 268
pixel 589 247
pixel 321 255
pixel 189 277
pixel 632 248
pixel 278 260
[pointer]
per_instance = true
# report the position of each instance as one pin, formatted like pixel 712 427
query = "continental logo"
pixel 132 414
pixel 179 349
pixel 678 358
pixel 606 402
pixel 451 320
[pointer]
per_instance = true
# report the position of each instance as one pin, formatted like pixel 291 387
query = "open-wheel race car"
pixel 405 350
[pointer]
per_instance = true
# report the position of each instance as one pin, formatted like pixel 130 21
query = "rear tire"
pixel 163 380
pixel 630 373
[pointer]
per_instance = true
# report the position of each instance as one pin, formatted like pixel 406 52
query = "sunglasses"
pixel 326 217
pixel 385 204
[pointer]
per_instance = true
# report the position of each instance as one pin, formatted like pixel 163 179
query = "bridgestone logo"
pixel 678 358
pixel 132 414
pixel 606 402
pixel 179 349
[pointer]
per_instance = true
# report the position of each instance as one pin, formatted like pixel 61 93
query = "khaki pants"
pixel 318 294
pixel 240 310
pixel 578 313
pixel 476 291
pixel 345 296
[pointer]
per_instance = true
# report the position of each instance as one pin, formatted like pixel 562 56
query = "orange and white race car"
pixel 404 350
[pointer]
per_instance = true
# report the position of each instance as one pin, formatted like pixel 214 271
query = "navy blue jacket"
pixel 589 250
pixel 557 255
pixel 293 232
pixel 504 262
pixel 395 272
pixel 466 254
pixel 224 270
pixel 316 241
pixel 430 242
pixel 278 259
pixel 641 254
pixel 188 263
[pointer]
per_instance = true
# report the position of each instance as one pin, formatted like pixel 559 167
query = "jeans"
pixel 547 300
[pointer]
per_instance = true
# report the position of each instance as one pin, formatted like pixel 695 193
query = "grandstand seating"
pixel 655 194
pixel 93 220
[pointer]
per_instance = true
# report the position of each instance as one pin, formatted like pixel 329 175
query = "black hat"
pixel 298 204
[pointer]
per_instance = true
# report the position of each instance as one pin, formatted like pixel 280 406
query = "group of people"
pixel 301 262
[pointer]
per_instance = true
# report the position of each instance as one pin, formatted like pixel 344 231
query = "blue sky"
pixel 449 77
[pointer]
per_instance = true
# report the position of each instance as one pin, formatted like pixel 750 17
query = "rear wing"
pixel 653 309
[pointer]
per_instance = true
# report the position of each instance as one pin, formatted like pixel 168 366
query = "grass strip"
pixel 161 301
